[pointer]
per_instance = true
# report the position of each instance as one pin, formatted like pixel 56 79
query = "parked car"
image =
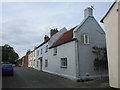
pixel 7 69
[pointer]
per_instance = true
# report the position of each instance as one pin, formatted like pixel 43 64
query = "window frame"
pixel 41 51
pixel 64 62
pixel 46 62
pixel 46 48
pixel 37 52
pixel 86 39
pixel 55 51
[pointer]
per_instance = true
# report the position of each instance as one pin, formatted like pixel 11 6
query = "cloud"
pixel 25 24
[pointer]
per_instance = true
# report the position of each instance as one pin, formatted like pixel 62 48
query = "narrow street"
pixel 31 78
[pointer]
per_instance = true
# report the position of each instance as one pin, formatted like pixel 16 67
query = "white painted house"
pixel 69 53
pixel 112 26
pixel 31 59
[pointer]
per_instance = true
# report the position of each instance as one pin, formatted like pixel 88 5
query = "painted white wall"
pixel 54 62
pixel 119 44
pixel 31 59
pixel 111 25
pixel 86 57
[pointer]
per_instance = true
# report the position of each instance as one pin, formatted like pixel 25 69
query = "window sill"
pixel 63 67
pixel 85 43
pixel 54 54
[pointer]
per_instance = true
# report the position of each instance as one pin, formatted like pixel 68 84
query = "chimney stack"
pixel 53 31
pixel 46 38
pixel 88 12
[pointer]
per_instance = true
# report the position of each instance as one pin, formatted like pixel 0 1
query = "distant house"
pixel 31 59
pixel 112 25
pixel 25 59
pixel 69 53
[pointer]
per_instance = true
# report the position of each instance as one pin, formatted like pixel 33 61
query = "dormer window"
pixel 84 39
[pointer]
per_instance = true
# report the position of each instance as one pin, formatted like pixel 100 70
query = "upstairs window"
pixel 41 51
pixel 46 48
pixel 84 39
pixel 37 52
pixel 63 62
pixel 55 51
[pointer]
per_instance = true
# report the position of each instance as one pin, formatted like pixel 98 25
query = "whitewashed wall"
pixel 112 29
pixel 54 62
pixel 86 57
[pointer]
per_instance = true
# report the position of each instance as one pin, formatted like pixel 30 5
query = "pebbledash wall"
pixel 79 56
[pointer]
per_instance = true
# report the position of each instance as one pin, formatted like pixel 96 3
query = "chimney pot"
pixel 53 31
pixel 46 38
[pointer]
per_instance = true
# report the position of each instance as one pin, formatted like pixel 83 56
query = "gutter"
pixel 77 59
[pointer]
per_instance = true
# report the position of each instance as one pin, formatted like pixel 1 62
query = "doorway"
pixel 41 63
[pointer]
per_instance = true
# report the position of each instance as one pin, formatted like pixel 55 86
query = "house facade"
pixel 68 53
pixel 31 59
pixel 25 59
pixel 112 26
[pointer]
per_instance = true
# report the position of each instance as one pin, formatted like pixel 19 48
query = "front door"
pixel 41 63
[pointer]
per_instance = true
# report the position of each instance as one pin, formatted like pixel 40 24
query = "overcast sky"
pixel 25 24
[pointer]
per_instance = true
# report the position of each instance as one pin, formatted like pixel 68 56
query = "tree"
pixel 8 54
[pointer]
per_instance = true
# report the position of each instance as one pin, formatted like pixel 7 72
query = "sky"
pixel 23 25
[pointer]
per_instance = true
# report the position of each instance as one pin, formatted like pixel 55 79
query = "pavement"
pixel 31 78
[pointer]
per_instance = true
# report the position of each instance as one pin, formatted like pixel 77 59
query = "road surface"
pixel 31 78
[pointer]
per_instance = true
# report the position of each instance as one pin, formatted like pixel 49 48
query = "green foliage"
pixel 8 54
pixel 101 57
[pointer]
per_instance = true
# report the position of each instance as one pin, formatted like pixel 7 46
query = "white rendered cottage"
pixel 112 26
pixel 31 59
pixel 70 55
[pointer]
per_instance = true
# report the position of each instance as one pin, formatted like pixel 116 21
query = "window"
pixel 63 62
pixel 37 63
pixel 46 63
pixel 41 50
pixel 55 51
pixel 46 48
pixel 84 39
pixel 37 52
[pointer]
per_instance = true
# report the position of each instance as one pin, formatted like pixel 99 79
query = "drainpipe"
pixel 77 59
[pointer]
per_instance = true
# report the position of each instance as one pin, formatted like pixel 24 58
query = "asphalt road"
pixel 31 78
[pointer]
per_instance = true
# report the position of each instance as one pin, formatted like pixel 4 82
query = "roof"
pixel 66 37
pixel 42 44
pixel 108 12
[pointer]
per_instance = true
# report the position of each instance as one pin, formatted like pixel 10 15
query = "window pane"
pixel 63 62
pixel 82 39
pixel 87 39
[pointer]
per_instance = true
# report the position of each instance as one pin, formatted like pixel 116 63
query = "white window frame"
pixel 46 48
pixel 84 39
pixel 55 51
pixel 37 52
pixel 37 63
pixel 41 51
pixel 46 62
pixel 64 62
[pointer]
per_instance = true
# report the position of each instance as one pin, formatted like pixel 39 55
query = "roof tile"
pixel 67 36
